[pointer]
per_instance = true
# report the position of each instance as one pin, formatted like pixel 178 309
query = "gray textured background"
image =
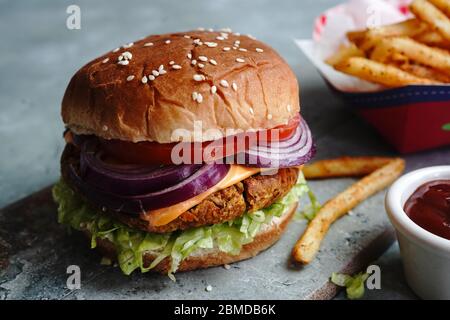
pixel 38 56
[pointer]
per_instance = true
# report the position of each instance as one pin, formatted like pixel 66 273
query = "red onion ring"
pixel 127 179
pixel 295 151
pixel 200 181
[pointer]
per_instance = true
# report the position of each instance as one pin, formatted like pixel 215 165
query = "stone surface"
pixel 39 57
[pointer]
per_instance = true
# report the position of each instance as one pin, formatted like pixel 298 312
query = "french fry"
pixel 407 28
pixel 343 53
pixel 367 39
pixel 443 5
pixel 309 243
pixel 379 73
pixel 432 57
pixel 425 72
pixel 344 167
pixel 434 39
pixel 435 18
pixel 369 42
pixel 382 52
pixel 357 36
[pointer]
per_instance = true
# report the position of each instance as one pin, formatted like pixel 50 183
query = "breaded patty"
pixel 254 193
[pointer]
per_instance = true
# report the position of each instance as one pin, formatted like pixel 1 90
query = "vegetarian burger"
pixel 184 151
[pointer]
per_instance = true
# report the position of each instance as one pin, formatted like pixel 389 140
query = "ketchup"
pixel 429 207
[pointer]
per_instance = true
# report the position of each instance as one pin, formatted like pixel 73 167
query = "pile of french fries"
pixel 378 172
pixel 415 51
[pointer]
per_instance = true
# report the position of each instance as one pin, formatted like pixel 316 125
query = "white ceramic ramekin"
pixel 426 256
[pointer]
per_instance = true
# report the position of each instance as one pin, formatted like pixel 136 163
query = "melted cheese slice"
pixel 163 216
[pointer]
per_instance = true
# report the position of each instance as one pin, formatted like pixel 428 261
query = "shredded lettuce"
pixel 310 210
pixel 131 245
pixel 354 284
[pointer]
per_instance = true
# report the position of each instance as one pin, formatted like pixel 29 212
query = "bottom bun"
pixel 205 258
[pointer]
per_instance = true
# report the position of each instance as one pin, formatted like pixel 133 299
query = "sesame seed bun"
pixel 236 82
pixel 205 258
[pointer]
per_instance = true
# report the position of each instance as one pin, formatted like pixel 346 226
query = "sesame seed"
pixel 127 55
pixel 129 78
pixel 237 34
pixel 124 62
pixel 203 58
pixel 199 77
pixel 237 41
pixel 259 50
pixel 234 86
pixel 242 49
pixel 227 266
pixel 105 128
pixel 213 89
pixel 210 30
pixel 240 60
pixel 120 57
pixel 187 36
pixel 144 79
pixel 151 77
pixel 194 96
pixel 200 65
pixel 176 67
pixel 226 49
pixel 198 41
pixel 211 44
pixel 161 67
pixel 194 62
pixel 155 73
pixel 128 45
pixel 234 48
pixel 200 29
pixel 105 60
pixel 209 288
pixel 224 35
pixel 288 107
pixel 199 98
pixel 251 110
pixel 189 55
pixel 213 62
pixel 224 83
pixel 269 116
pixel 167 42
pixel 251 37
pixel 226 30
pixel 116 49
pixel 220 38
pixel 171 62
pixel 162 72
pixel 148 44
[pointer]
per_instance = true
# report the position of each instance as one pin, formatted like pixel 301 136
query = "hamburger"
pixel 183 151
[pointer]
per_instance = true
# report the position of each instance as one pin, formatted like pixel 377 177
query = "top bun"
pixel 121 99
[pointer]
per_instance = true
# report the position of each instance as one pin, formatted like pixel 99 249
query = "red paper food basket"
pixel 411 118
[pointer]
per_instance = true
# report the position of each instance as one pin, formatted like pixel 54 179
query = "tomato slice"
pixel 161 153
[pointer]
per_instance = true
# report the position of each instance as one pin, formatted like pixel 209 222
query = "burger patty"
pixel 254 193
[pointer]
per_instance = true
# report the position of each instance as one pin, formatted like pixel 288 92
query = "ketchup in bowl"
pixel 429 207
